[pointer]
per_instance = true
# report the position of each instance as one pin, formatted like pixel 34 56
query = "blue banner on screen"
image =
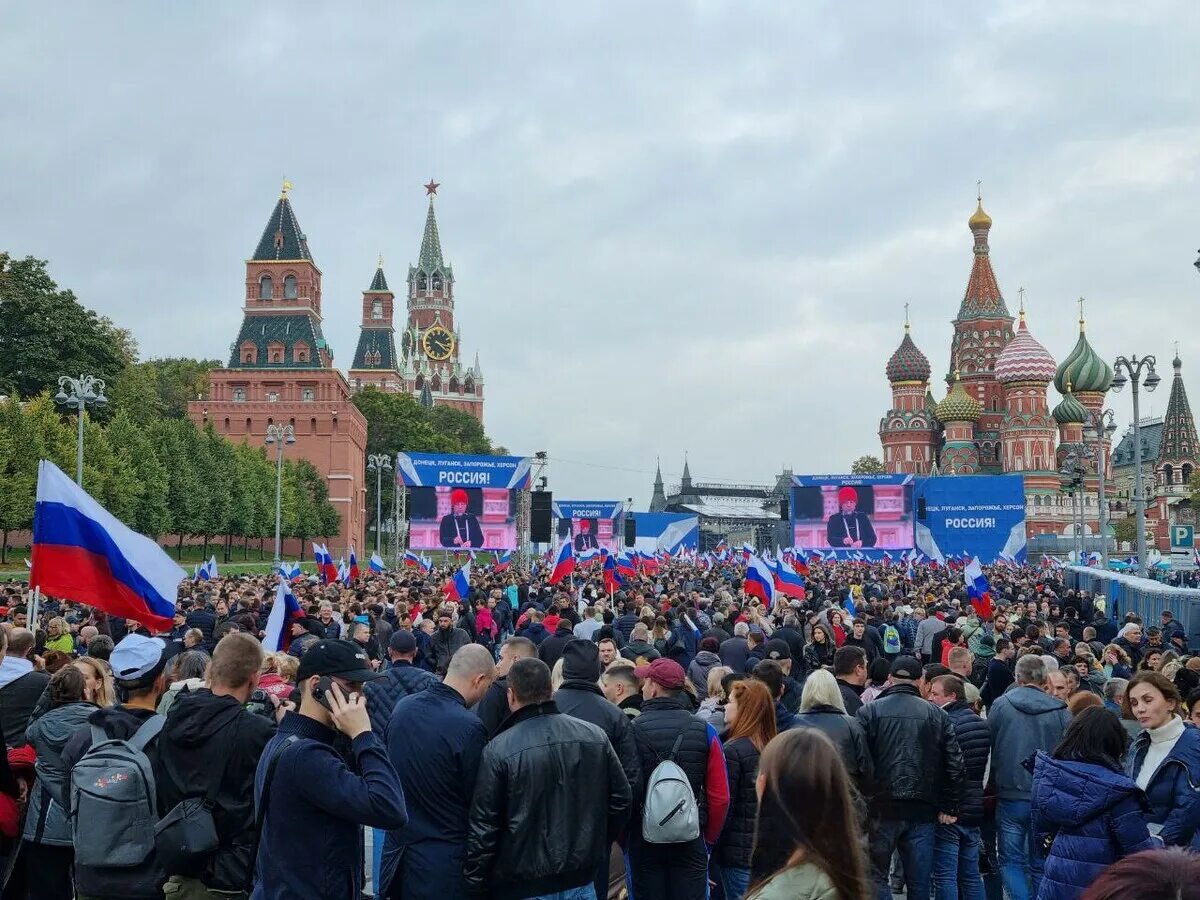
pixel 976 515
pixel 590 524
pixel 463 502
pixel 666 531
pixel 855 514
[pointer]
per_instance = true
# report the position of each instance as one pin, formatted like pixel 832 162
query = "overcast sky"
pixel 674 226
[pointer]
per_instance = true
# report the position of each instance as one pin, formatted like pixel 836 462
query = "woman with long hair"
pixel 818 652
pixel 837 627
pixel 1164 760
pixel 47 850
pixel 750 715
pixel 806 837
pixel 822 708
pixel 1116 663
pixel 1088 809
pixel 98 685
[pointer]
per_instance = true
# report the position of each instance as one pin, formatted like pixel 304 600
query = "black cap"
pixel 402 642
pixel 342 658
pixel 905 667
pixel 777 648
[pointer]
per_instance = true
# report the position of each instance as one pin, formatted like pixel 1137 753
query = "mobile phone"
pixel 321 692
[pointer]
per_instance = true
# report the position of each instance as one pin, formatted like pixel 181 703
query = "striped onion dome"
pixel 908 363
pixel 1070 411
pixel 958 406
pixel 1083 368
pixel 1024 359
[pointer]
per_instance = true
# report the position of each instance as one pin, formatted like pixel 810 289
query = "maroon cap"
pixel 665 672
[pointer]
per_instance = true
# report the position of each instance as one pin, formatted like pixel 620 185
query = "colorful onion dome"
pixel 959 406
pixel 1024 359
pixel 908 363
pixel 1084 368
pixel 979 219
pixel 1070 411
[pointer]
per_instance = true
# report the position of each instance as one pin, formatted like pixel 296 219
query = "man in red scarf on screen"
pixel 460 528
pixel 849 528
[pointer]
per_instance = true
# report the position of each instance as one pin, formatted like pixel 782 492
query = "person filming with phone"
pixel 312 798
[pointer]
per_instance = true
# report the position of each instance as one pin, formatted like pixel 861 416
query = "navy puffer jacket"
pixel 975 741
pixel 1096 817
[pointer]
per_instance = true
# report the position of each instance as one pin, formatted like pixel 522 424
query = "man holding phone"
pixel 306 786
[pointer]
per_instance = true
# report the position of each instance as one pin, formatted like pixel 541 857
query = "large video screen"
pixel 590 524
pixel 982 516
pixel 462 502
pixel 853 513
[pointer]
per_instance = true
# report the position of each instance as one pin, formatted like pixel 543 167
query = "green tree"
pixel 150 515
pixel 215 468
pixel 160 388
pixel 45 332
pixel 1125 530
pixel 868 465
pixel 464 428
pixel 175 443
pixel 19 455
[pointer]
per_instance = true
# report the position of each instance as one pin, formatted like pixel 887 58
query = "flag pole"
pixel 33 608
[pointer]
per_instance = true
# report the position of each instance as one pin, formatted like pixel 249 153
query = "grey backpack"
pixel 113 807
pixel 671 814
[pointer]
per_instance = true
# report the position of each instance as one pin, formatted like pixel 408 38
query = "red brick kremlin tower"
pixel 429 365
pixel 281 371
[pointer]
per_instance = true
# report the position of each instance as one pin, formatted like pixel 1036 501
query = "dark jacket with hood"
pixel 525 840
pixel 635 650
pixel 49 735
pixel 1023 721
pixel 581 697
pixel 1096 816
pixel 697 672
pixel 208 738
pixel 551 648
pixel 444 644
pixel 111 883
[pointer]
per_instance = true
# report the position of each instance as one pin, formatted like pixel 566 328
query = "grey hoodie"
pixel 698 671
pixel 1023 721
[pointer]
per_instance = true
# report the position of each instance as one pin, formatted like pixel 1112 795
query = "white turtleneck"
pixel 1162 740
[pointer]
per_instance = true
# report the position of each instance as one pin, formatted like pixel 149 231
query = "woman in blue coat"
pixel 1087 810
pixel 1164 760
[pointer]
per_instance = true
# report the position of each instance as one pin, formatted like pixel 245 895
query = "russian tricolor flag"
pixel 354 573
pixel 564 565
pixel 458 587
pixel 978 588
pixel 503 562
pixel 277 635
pixel 82 552
pixel 376 564
pixel 759 581
pixel 612 579
pixel 325 567
pixel 788 582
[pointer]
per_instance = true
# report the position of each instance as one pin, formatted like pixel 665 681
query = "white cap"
pixel 135 657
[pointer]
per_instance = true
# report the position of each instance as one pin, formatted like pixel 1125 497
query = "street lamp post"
pixel 378 463
pixel 279 435
pixel 1102 426
pixel 1133 374
pixel 1072 478
pixel 85 391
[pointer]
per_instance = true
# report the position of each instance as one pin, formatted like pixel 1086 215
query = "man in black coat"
pixel 999 673
pixel 580 696
pixel 551 648
pixel 493 708
pixel 530 833
pixel 956 856
pixel 918 777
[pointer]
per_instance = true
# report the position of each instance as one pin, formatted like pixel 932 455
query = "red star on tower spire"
pixel 431 188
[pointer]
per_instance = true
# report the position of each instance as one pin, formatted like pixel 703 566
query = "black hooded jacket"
pixel 209 737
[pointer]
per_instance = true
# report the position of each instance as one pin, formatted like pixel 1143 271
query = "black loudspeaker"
pixel 783 509
pixel 921 509
pixel 541 518
pixel 630 531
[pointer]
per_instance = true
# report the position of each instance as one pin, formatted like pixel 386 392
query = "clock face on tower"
pixel 438 343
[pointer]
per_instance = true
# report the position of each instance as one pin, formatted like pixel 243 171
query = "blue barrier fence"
pixel 1144 596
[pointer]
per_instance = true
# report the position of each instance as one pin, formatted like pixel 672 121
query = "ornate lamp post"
pixel 85 391
pixel 1072 474
pixel 1138 372
pixel 1102 426
pixel 279 435
pixel 378 463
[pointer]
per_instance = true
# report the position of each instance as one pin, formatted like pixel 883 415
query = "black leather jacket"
pixel 917 760
pixel 550 798
pixel 848 737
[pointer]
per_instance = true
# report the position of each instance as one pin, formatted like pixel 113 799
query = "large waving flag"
pixel 849 605
pixel 626 566
pixel 564 563
pixel 376 564
pixel 503 562
pixel 978 588
pixel 458 587
pixel 354 573
pixel 82 552
pixel 759 581
pixel 277 635
pixel 788 582
pixel 612 578
pixel 417 562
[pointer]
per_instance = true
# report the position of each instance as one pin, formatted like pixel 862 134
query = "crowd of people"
pixel 677 738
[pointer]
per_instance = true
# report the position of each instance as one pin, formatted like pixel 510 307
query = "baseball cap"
pixel 664 672
pixel 777 648
pixel 136 657
pixel 402 642
pixel 906 667
pixel 342 658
